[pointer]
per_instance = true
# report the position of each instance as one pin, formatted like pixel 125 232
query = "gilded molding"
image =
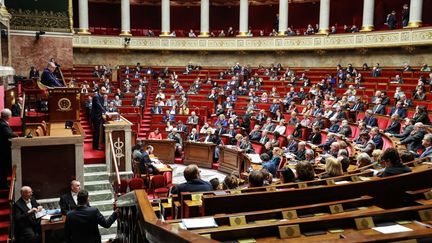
pixel 39 20
pixel 379 39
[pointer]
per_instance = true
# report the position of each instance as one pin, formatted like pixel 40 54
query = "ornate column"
pixel 165 6
pixel 205 12
pixel 244 18
pixel 415 18
pixel 368 15
pixel 83 17
pixel 324 17
pixel 283 17
pixel 125 18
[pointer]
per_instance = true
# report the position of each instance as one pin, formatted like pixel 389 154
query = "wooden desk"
pixel 47 225
pixel 231 159
pixel 59 130
pixel 200 154
pixel 164 150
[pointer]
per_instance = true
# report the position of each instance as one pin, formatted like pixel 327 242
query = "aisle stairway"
pixel 4 215
pixel 101 195
pixel 146 117
pixel 90 156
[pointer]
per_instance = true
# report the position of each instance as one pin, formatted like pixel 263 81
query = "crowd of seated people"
pixel 306 111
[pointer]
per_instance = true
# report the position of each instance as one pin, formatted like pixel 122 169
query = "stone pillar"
pixel 83 17
pixel 324 17
pixel 368 15
pixel 205 13
pixel 244 18
pixel 415 18
pixel 125 18
pixel 283 17
pixel 165 6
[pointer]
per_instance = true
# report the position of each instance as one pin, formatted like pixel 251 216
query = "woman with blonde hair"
pixel 332 168
pixel 273 165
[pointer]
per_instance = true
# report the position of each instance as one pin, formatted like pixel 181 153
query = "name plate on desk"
pixel 238 220
pixel 364 223
pixel 289 231
pixel 337 208
pixel 290 214
pixel 428 195
pixel 425 215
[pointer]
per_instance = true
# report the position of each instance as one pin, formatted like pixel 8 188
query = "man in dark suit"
pixel 292 145
pixel 96 116
pixel 394 127
pixel 6 134
pixel 82 223
pixel 376 138
pixel 156 109
pixel 369 120
pixel 145 160
pixel 193 181
pixel 391 20
pixel 427 143
pixel 68 201
pixel 414 140
pixel 274 107
pixel 17 107
pixel 27 226
pixel 255 134
pixel 48 77
pixel 398 110
pixel 378 108
pixel 264 137
pixel 408 128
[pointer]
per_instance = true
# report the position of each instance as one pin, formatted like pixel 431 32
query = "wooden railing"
pixel 117 181
pixel 138 222
pixel 11 199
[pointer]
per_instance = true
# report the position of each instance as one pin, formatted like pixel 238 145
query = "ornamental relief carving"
pixel 39 20
pixel 405 37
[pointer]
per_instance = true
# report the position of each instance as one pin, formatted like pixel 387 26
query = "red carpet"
pixel 90 156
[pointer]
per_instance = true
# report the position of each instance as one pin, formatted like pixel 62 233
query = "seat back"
pixel 136 183
pixel 157 181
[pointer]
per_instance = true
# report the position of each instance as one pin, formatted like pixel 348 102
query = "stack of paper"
pixel 196 223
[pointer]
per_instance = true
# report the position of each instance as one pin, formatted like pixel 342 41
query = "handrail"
pixel 23 104
pixel 11 199
pixel 12 185
pixel 115 161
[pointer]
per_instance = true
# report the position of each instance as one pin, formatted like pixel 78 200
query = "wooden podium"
pixel 230 159
pixel 121 133
pixel 64 104
pixel 200 154
pixel 164 150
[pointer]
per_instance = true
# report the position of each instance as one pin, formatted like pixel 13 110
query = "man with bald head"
pixel 96 116
pixel 68 201
pixel 27 227
pixel 6 134
pixel 48 77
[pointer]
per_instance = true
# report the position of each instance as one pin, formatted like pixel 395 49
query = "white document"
pixel 392 229
pixel 196 223
pixel 41 213
pixel 341 182
pixel 255 158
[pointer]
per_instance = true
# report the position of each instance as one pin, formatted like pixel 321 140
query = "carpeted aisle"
pixel 90 156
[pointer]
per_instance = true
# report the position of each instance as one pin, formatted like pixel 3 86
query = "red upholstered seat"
pixel 158 186
pixel 382 122
pixel 136 183
pixel 257 147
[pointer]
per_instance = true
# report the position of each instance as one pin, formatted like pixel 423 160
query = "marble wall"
pixel 386 57
pixel 27 52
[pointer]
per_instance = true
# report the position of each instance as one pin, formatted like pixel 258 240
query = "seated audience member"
pixel 274 141
pixel 330 139
pixel 255 134
pixel 334 127
pixel 273 165
pixel 68 201
pixel 376 137
pixel 82 223
pixel 345 162
pixel 184 110
pixel 34 73
pixel 398 110
pixel 287 175
pixel 255 179
pixel 230 182
pixel 193 183
pixel 304 171
pixel 421 115
pixel 178 139
pixel 215 184
pixel 393 165
pixel 427 143
pixel 17 107
pixel 315 136
pixel 192 119
pixel 363 159
pixel 111 107
pixel 145 162
pixel 48 77
pixel 268 178
pixel 292 145
pixel 181 127
pixel 193 136
pixel 406 156
pixel 414 140
pixel 281 127
pixel 369 120
pixel 27 227
pixel 407 128
pixel 395 126
pixel 332 168
pixel 268 126
pixel 367 145
pixel 345 129
pixel 376 157
pixel 156 109
pixel 168 117
pixel 156 135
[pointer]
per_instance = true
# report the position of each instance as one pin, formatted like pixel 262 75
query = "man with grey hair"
pixel 6 134
pixel 369 119
pixel 68 201
pixel 414 140
pixel 363 159
pixel 48 77
pixel 310 156
pixel 27 227
pixel 427 143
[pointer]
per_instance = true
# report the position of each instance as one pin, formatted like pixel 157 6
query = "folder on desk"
pixel 197 223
